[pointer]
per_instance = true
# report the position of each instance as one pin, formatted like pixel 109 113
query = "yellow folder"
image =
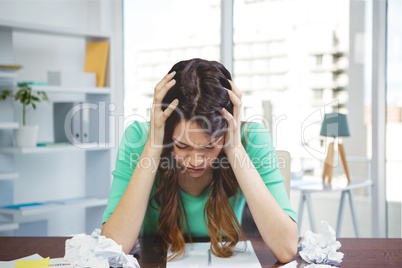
pixel 96 56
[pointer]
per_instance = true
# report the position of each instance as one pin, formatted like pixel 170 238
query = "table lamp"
pixel 334 125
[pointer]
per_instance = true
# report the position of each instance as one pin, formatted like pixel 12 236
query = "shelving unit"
pixel 8 226
pixel 53 149
pixel 8 176
pixel 54 206
pixel 8 125
pixel 50 30
pixel 69 90
pixel 4 74
pixel 75 178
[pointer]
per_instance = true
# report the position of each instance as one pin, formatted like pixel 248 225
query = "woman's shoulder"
pixel 136 134
pixel 137 128
pixel 253 128
pixel 255 135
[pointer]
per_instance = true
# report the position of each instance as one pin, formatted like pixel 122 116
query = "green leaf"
pixel 5 94
pixel 26 96
pixel 44 95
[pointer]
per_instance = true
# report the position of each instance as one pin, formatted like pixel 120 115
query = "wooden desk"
pixel 359 252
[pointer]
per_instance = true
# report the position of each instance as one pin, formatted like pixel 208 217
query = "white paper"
pixel 97 251
pixel 11 264
pixel 292 264
pixel 55 262
pixel 59 262
pixel 321 248
pixel 196 256
pixel 313 265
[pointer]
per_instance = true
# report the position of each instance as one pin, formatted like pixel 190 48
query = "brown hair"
pixel 200 89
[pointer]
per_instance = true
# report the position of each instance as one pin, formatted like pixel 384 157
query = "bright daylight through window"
pixel 292 60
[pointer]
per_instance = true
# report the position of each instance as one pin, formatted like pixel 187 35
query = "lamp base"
pixel 329 162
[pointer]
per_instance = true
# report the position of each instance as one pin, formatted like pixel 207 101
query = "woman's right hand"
pixel 158 116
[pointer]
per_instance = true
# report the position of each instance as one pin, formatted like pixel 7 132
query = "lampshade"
pixel 335 125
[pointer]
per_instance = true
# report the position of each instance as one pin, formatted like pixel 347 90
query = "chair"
pixel 284 162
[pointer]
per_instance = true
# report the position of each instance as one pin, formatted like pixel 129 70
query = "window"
pixel 286 55
pixel 394 118
pixel 158 34
pixel 293 60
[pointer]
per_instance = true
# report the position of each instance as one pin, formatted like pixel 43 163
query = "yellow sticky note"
pixel 33 264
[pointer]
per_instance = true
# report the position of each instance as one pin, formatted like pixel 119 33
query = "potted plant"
pixel 25 135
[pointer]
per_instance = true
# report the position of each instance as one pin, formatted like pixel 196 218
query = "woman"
pixel 190 170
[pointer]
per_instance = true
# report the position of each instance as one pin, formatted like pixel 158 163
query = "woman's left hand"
pixel 232 136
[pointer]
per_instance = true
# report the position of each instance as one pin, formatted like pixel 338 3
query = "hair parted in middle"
pixel 201 88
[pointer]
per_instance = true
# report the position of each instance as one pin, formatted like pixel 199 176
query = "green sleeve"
pixel 259 146
pixel 131 147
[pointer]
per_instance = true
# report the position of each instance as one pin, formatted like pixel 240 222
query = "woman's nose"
pixel 196 159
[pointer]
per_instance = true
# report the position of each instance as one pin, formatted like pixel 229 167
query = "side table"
pixel 316 186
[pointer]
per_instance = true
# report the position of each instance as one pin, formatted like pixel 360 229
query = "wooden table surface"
pixel 359 252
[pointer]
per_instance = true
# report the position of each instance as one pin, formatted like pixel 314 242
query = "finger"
pixel 169 110
pixel 164 80
pixel 228 116
pixel 158 97
pixel 236 103
pixel 231 127
pixel 235 89
pixel 233 98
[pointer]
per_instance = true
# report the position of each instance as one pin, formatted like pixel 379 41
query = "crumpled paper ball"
pixel 97 251
pixel 292 264
pixel 321 248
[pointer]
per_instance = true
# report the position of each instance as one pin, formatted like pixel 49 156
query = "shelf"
pixel 55 206
pixel 74 90
pixel 50 30
pixel 53 149
pixel 8 226
pixel 7 75
pixel 8 125
pixel 8 176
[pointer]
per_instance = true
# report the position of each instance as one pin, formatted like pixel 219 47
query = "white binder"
pixel 85 124
pixel 67 122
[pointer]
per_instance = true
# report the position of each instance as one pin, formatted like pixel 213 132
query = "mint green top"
pixel 258 144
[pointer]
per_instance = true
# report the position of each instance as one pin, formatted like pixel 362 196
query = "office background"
pixel 294 60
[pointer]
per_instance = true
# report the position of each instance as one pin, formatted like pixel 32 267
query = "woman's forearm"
pixel 125 223
pixel 277 229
